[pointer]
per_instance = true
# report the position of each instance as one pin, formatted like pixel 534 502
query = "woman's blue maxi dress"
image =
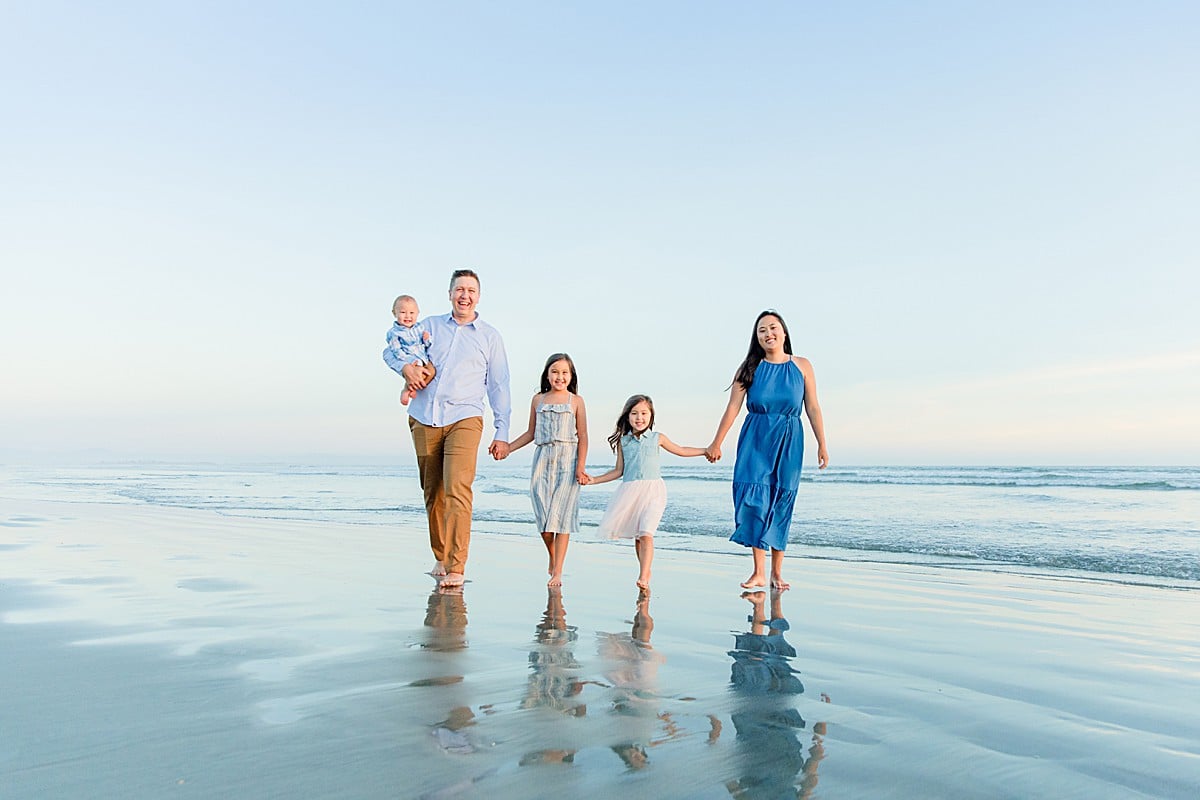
pixel 769 454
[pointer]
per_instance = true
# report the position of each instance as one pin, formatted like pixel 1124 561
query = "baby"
pixel 407 343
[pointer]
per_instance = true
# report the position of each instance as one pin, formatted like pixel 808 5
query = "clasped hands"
pixel 499 451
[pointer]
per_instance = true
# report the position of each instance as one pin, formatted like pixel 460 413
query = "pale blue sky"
pixel 979 222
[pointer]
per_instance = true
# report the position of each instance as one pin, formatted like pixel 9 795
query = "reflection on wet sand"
pixel 773 760
pixel 774 752
pixel 446 633
pixel 631 668
pixel 446 619
pixel 554 674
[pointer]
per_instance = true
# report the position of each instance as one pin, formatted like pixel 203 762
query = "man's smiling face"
pixel 464 295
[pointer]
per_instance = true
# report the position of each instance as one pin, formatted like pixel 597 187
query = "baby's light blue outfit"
pixel 406 345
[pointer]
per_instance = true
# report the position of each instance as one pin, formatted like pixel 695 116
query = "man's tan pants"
pixel 446 463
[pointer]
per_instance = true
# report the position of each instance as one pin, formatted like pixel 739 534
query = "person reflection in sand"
pixel 553 679
pixel 632 667
pixel 768 726
pixel 446 634
pixel 446 619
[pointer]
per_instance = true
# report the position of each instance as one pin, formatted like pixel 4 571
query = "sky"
pixel 978 220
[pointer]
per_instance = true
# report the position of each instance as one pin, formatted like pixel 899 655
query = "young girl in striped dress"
pixel 558 426
pixel 636 508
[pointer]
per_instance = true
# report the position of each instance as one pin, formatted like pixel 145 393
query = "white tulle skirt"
pixel 635 509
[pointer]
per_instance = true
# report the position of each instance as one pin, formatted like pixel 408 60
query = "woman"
pixel 774 384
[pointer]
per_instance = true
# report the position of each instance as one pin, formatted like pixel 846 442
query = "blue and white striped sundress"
pixel 552 485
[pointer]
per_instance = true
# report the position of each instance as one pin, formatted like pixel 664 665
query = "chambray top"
pixel 406 345
pixel 640 456
pixel 471 364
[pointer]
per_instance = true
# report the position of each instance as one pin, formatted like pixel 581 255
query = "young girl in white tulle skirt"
pixel 636 508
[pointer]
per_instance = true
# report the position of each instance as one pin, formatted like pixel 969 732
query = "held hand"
pixel 713 453
pixel 499 450
pixel 583 478
pixel 822 458
pixel 415 375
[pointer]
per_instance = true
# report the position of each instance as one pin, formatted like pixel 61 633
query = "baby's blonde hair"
pixel 396 303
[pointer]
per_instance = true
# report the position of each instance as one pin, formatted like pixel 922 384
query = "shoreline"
pixel 190 641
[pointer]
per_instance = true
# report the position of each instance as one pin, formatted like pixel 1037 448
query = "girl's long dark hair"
pixel 623 426
pixel 573 386
pixel 745 373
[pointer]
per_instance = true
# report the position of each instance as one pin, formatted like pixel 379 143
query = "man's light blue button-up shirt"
pixel 471 364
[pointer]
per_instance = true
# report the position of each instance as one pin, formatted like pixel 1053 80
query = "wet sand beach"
pixel 152 652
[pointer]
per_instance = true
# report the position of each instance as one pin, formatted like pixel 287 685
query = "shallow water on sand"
pixel 1112 523
pixel 152 649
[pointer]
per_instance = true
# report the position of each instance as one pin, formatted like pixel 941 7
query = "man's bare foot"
pixel 778 584
pixel 452 579
pixel 438 570
pixel 555 580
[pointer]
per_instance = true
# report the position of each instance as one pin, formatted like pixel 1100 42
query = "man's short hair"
pixel 463 273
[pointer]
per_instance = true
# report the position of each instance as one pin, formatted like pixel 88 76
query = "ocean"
pixel 1126 524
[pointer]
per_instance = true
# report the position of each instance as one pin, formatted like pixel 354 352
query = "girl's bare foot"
pixel 643 583
pixel 548 540
pixel 555 580
pixel 438 569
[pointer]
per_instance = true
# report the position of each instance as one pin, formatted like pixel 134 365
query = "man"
pixel 446 419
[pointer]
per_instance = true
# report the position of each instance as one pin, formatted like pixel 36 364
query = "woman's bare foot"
pixel 643 582
pixel 555 580
pixel 438 570
pixel 453 579
pixel 755 583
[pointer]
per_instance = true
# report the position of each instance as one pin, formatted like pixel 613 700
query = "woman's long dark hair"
pixel 623 426
pixel 745 373
pixel 573 386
